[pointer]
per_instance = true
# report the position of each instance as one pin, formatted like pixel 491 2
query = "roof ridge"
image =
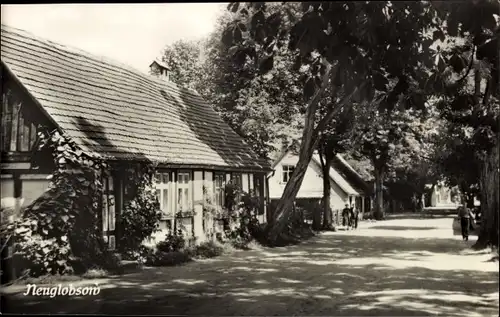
pixel 99 58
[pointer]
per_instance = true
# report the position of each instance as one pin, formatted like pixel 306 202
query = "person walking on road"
pixel 345 216
pixel 464 216
pixel 354 217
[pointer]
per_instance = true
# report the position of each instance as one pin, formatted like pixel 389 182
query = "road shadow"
pixel 419 215
pixel 341 275
pixel 402 228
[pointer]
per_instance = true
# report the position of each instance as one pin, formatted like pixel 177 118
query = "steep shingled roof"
pixel 122 114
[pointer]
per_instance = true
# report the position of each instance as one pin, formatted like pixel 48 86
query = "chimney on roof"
pixel 160 69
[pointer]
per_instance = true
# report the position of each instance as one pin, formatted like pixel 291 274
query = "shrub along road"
pixel 398 267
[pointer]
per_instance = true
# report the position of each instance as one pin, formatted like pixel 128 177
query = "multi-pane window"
pixel 163 190
pixel 287 173
pixel 252 185
pixel 108 213
pixel 18 133
pixel 183 191
pixel 236 180
pixel 219 184
pixel 259 191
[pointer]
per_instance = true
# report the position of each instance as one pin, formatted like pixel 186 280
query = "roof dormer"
pixel 160 69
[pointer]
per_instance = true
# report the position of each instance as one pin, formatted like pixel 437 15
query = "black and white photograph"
pixel 335 158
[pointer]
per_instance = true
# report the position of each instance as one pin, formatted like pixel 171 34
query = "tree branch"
pixel 332 112
pixel 468 69
pixel 313 102
pixel 427 158
pixel 321 158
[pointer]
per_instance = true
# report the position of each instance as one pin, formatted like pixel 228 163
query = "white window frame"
pixel 162 185
pixel 184 186
pixel 219 191
pixel 287 169
pixel 109 213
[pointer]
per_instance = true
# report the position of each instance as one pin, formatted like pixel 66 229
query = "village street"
pixel 398 267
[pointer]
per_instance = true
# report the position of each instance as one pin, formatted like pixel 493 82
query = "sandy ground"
pixel 400 267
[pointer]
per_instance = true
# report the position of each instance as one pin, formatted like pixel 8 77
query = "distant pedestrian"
pixel 345 215
pixel 351 217
pixel 355 217
pixel 472 220
pixel 464 216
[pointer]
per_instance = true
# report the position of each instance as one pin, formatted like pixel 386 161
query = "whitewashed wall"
pixel 33 186
pixel 312 185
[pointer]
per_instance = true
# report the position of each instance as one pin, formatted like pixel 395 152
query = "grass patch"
pixel 211 249
pixel 95 273
pixel 205 250
pixel 161 258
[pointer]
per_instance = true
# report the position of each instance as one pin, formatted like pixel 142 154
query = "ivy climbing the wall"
pixel 141 212
pixel 59 232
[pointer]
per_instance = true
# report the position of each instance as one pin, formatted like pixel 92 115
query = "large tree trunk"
pixel 489 182
pixel 307 146
pixel 326 158
pixel 489 173
pixel 378 212
pixel 284 206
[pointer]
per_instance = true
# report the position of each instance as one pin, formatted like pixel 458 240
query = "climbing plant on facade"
pixel 141 210
pixel 60 231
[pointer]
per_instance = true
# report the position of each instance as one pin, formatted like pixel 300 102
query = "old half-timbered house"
pixel 121 115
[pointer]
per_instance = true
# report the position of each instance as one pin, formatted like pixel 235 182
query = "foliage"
pixel 466 83
pixel 160 258
pixel 338 134
pixel 336 138
pixel 367 53
pixel 184 59
pixel 59 231
pixel 458 162
pixel 467 79
pixel 174 241
pixel 164 257
pixel 306 208
pixel 263 110
pixel 141 211
pixel 393 141
pixel 361 37
pixel 140 255
pixel 209 249
pixel 247 225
